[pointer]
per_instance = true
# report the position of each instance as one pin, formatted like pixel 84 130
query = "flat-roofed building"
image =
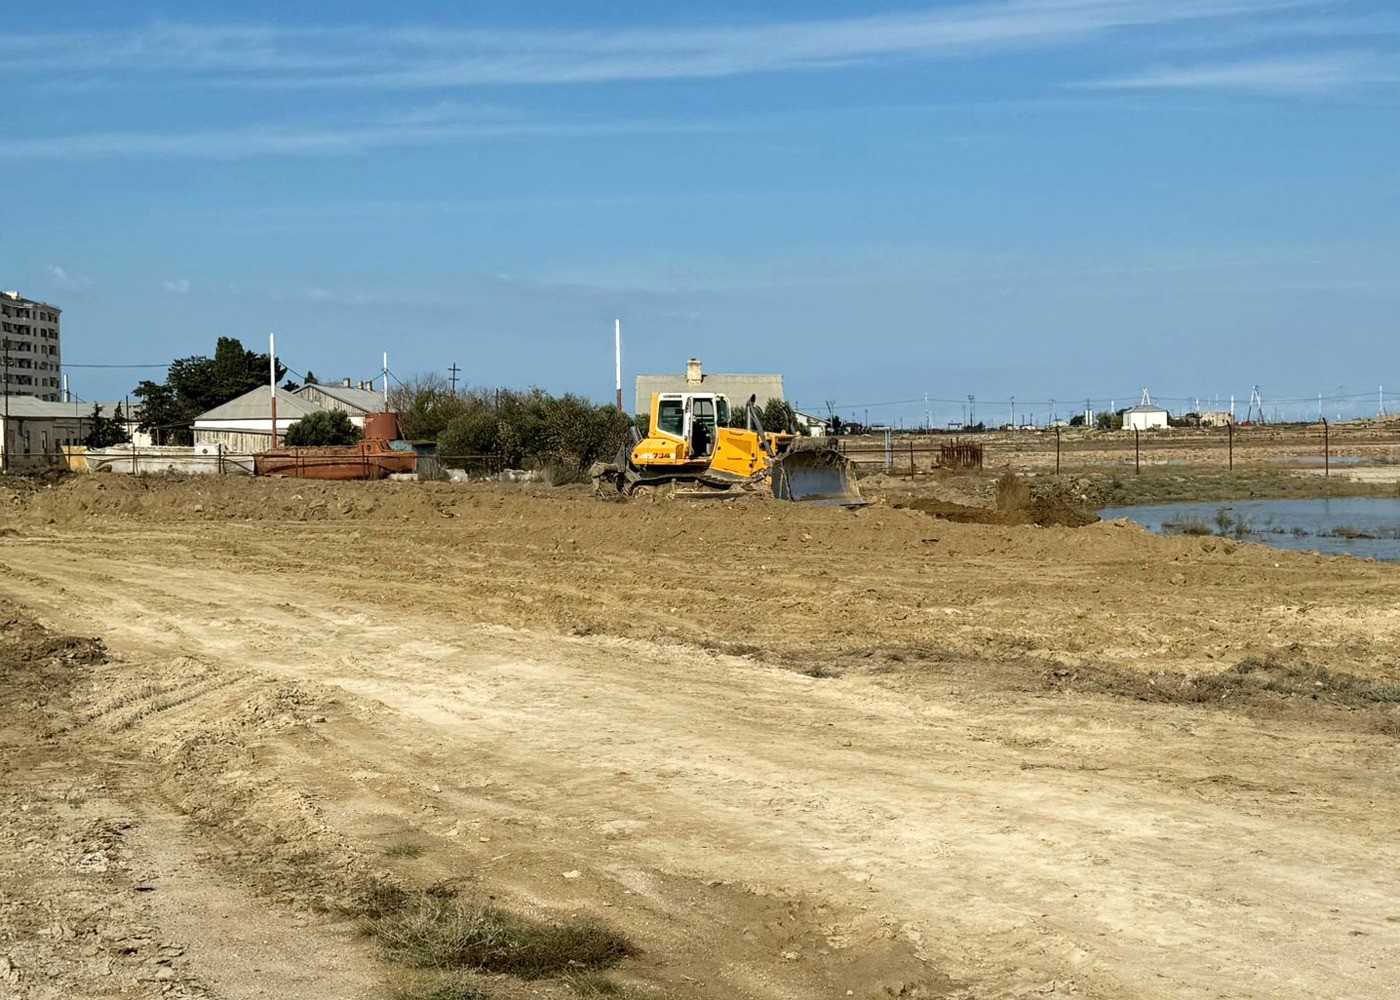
pixel 738 388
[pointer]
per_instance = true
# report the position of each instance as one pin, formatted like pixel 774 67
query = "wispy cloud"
pixel 1319 74
pixel 416 127
pixel 62 280
pixel 443 57
pixel 178 286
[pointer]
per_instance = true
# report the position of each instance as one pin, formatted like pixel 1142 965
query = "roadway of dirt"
pixel 789 752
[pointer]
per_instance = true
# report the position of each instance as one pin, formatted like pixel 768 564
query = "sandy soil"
pixel 790 753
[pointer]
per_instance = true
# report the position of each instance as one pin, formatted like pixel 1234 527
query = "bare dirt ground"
pixel 787 752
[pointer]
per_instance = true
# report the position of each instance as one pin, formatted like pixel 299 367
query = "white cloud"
pixel 415 127
pixel 66 282
pixel 445 57
pixel 1318 74
pixel 176 287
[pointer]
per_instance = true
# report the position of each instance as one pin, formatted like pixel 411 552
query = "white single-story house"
pixel 244 424
pixel 1146 416
pixel 36 430
pixel 813 425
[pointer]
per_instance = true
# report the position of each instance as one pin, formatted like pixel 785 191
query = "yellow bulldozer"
pixel 691 450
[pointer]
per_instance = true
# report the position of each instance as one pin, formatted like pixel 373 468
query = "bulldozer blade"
pixel 816 476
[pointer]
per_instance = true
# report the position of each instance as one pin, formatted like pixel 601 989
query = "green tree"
pixel 472 438
pixel 779 417
pixel 160 410
pixel 325 427
pixel 197 383
pixel 104 431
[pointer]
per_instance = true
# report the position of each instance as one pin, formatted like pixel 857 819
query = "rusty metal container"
pixel 366 460
pixel 382 427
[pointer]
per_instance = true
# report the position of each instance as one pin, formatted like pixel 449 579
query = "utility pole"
pixel 1013 413
pixel 971 410
pixel 617 360
pixel 271 382
pixel 928 416
pixel 453 379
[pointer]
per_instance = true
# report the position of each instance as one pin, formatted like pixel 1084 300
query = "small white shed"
pixel 1146 416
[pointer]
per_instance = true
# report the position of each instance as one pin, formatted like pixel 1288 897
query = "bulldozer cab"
pixel 694 418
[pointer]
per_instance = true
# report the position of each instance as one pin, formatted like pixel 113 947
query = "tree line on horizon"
pixel 479 426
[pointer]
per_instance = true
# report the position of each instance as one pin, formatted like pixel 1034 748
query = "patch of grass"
pixel 821 671
pixel 591 984
pixel 1193 528
pixel 1250 680
pixel 449 987
pixel 437 929
pixel 1347 531
pixel 404 849
pixel 1231 525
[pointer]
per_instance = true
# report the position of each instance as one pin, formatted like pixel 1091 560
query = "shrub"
pixel 474 431
pixel 426 405
pixel 325 427
pixel 439 930
pixel 562 434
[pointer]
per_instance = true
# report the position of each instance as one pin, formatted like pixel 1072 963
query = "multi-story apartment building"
pixel 30 362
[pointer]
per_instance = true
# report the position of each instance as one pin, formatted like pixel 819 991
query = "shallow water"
pixel 1367 527
pixel 1319 459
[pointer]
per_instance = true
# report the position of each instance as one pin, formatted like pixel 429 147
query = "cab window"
pixel 670 418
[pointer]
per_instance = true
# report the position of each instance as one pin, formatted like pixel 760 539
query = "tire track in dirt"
pixel 1015 842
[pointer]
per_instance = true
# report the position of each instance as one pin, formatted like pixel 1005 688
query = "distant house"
pixel 357 400
pixel 1217 418
pixel 244 425
pixel 37 429
pixel 738 388
pixel 813 425
pixel 1145 416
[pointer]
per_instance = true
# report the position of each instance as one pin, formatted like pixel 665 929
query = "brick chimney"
pixel 693 374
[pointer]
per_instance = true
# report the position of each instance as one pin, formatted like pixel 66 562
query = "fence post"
pixel 1137 451
pixel 1326 450
pixel 1231 425
pixel 912 471
pixel 889 451
pixel 1057 449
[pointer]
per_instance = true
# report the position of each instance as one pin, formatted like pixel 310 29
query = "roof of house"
pixel 255 404
pixel 34 408
pixel 737 387
pixel 1145 408
pixel 365 400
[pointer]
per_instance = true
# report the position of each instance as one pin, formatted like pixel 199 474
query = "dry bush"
pixel 437 929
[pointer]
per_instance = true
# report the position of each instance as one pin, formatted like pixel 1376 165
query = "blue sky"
pixel 1046 199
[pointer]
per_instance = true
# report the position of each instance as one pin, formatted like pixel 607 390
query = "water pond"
pixel 1367 527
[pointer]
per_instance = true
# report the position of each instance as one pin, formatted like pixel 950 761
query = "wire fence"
pixel 913 455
